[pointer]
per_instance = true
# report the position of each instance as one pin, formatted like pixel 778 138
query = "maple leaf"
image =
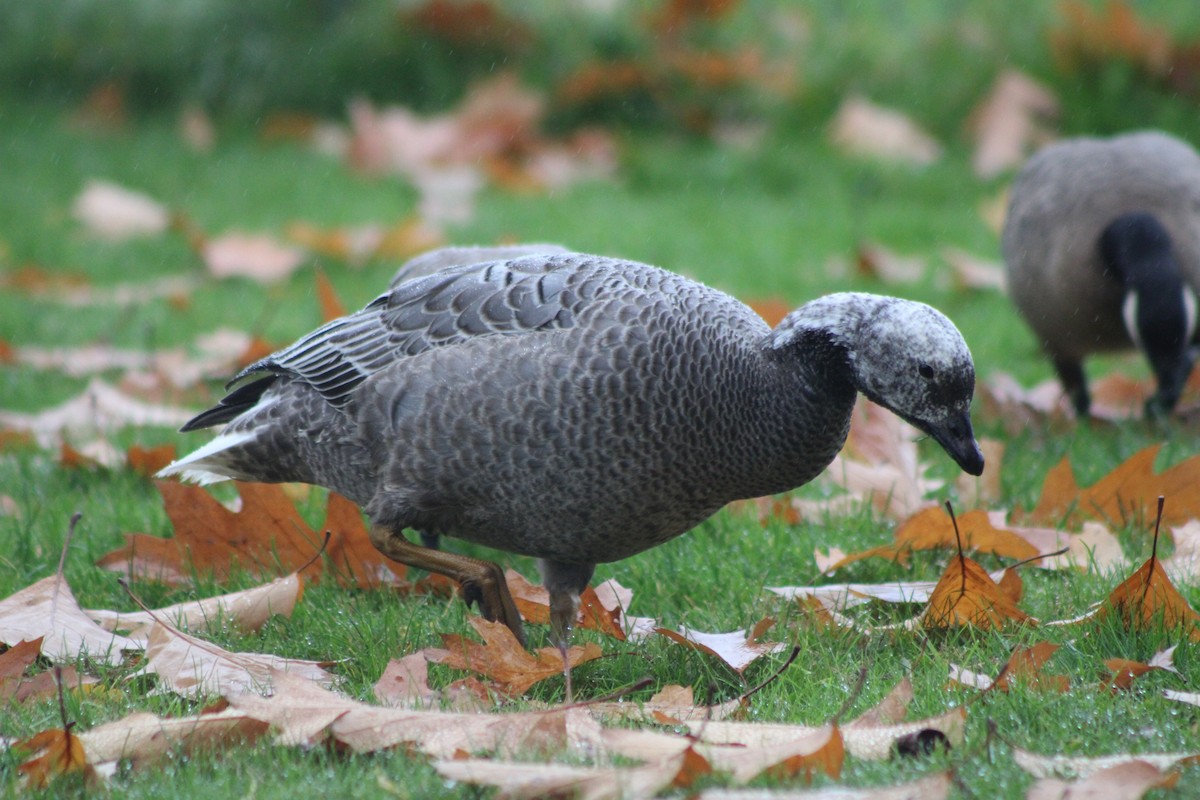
pixel 405 682
pixel 672 705
pixel 1183 565
pixel 193 667
pixel 247 610
pixel 1148 599
pixel 146 461
pixel 358 244
pixel 331 306
pixel 1126 495
pixel 737 649
pixel 1041 766
pixel 1128 781
pixel 115 213
pixel 873 260
pixel 502 658
pixel 863 128
pixel 246 255
pixel 973 272
pixel 47 609
pixel 350 554
pixel 55 752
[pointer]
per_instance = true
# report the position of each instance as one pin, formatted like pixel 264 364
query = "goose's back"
pixel 1062 200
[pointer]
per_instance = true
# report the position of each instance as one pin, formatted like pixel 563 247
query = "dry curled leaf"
pixel 47 610
pixel 738 649
pixel 13 663
pixel 54 752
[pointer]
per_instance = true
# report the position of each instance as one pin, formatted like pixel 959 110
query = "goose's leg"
pixel 1070 372
pixel 564 582
pixel 482 581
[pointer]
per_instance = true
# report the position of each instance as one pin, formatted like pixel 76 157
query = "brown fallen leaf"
pixel 192 667
pixel 771 309
pixel 1128 781
pixel 1122 671
pixel 1125 496
pixel 1090 36
pixel 1183 565
pixel 146 461
pixel 331 307
pixel 350 555
pixel 533 603
pixel 973 272
pixel 672 705
pixel 13 663
pixel 863 128
pixel 931 787
pixel 1024 665
pixel 737 649
pixel 115 213
pixel 247 610
pixel 966 595
pixel 47 610
pixel 502 658
pixel 259 257
pixel 53 753
pixel 359 244
pixel 50 682
pixel 405 683
pixel 873 260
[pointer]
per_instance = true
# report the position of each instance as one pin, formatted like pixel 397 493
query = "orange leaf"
pixel 149 460
pixel 533 603
pixel 331 306
pixel 55 752
pixel 828 759
pixel 1147 599
pixel 966 595
pixel 502 658
pixel 738 649
pixel 1026 665
pixel 354 560
pixel 70 458
pixel 1127 495
pixel 771 309
pixel 932 529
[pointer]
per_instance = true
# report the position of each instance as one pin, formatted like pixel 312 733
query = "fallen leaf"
pixel 973 272
pixel 405 683
pixel 533 603
pixel 876 261
pixel 246 255
pixel 738 649
pixel 803 752
pixel 1128 781
pixel 50 682
pixel 1041 766
pixel 1010 122
pixel 146 461
pixel 861 127
pixel 771 309
pixel 1147 599
pixel 672 705
pixel 1125 496
pixel 502 658
pixel 350 554
pixel 1122 671
pixel 143 739
pixel 1183 565
pixel 331 306
pixel 615 598
pixel 966 595
pixel 47 610
pixel 196 129
pixel 55 752
pixel 192 667
pixel 116 213
pixel 1024 665
pixel 1089 37
pixel 247 610
pixel 13 663
pixel 931 787
pixel 100 409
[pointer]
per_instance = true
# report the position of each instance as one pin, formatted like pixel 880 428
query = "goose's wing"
pixel 500 298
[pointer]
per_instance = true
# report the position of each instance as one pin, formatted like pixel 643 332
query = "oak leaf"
pixel 502 658
pixel 738 649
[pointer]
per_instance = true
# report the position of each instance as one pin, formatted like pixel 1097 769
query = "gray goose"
pixel 1102 251
pixel 574 408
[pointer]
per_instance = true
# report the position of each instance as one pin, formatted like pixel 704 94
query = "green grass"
pixel 762 223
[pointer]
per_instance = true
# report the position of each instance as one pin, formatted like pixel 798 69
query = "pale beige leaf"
pixel 738 649
pixel 861 127
pixel 121 294
pixel 1010 121
pixel 196 129
pixel 1041 766
pixel 405 683
pixel 195 668
pixel 247 610
pixel 745 761
pixel 248 255
pixel 448 194
pixel 115 213
pixel 969 678
pixel 614 596
pixel 144 739
pixel 1093 548
pixel 1192 698
pixel 1164 659
pixel 984 490
pixel 841 596
pixel 1183 565
pixel 892 708
pixel 973 272
pixel 672 703
pixel 48 609
pixel 826 560
pixel 1128 781
pixel 100 408
pixel 866 740
pixel 876 261
pixel 534 779
pixel 932 787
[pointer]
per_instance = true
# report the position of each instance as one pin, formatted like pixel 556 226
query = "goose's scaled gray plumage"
pixel 575 408
pixel 1102 250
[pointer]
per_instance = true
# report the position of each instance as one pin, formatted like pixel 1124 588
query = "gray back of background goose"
pixel 1062 202
pixel 577 408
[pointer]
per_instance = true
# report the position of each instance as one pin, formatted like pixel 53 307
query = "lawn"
pixel 780 220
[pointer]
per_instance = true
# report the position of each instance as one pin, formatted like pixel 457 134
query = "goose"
pixel 1102 252
pixel 575 408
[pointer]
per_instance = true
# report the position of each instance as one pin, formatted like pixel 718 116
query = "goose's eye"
pixel 926 371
